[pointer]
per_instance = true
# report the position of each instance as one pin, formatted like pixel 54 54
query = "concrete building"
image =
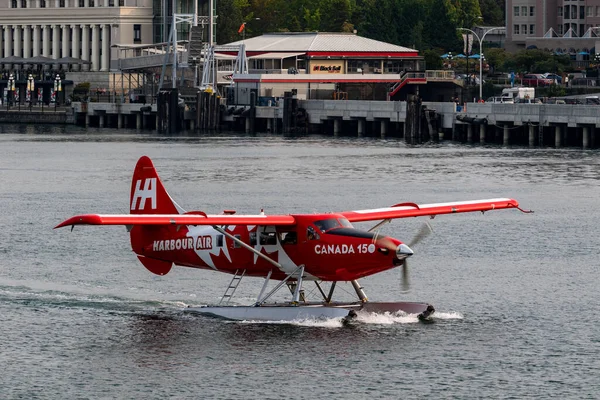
pixel 563 26
pixel 84 29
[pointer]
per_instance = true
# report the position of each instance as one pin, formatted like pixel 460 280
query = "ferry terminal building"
pixel 321 65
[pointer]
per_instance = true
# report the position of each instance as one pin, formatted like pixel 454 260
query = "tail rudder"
pixel 148 194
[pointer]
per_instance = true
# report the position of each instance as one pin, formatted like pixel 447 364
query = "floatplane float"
pixel 292 249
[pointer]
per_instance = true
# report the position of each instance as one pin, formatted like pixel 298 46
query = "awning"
pixel 275 56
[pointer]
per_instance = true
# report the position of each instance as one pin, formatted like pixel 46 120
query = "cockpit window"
pixel 326 225
pixel 311 234
pixel 345 223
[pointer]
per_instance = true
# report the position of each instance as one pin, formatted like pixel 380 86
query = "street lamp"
pixel 11 88
pixel 30 89
pixel 597 61
pixel 480 39
pixel 57 90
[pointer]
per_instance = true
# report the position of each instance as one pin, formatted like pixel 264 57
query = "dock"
pixel 543 125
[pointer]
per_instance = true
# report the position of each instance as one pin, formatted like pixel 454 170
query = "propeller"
pixel 424 231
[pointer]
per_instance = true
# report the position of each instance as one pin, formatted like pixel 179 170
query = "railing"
pixel 439 75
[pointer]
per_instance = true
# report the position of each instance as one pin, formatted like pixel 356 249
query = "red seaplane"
pixel 291 249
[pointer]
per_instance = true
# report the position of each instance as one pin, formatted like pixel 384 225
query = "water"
pixel 516 293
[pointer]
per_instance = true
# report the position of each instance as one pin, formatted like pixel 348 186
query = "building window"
pixel 589 11
pixel 13 4
pixel 516 29
pixel 581 12
pixel 516 12
pixel 524 29
pixel 121 3
pixel 42 3
pixel 61 3
pixel 531 11
pixel 257 64
pixel 560 11
pixel 524 11
pixel 560 29
pixel 597 11
pixel 532 29
pixel 111 3
pixel 23 3
pixel 392 67
pixel 137 33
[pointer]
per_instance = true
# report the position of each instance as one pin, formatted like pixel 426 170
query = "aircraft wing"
pixel 177 219
pixel 406 210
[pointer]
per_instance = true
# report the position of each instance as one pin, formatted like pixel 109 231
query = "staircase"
pixel 196 43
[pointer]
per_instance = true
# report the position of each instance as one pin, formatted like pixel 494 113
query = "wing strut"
pixel 264 287
pixel 328 297
pixel 279 285
pixel 359 291
pixel 244 245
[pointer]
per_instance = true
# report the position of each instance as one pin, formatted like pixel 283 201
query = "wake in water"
pixel 365 318
pixel 47 294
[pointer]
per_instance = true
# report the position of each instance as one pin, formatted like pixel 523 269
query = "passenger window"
pixel 252 238
pixel 236 245
pixel 311 234
pixel 268 238
pixel 220 241
pixel 288 238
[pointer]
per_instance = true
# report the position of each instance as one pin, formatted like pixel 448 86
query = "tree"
pixel 491 12
pixel 334 14
pixel 433 59
pixel 496 58
pixel 230 18
pixel 444 27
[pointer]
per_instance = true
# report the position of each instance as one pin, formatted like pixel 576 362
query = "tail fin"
pixel 148 195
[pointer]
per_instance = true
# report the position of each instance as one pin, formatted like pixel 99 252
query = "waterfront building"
pixel 319 63
pixel 562 26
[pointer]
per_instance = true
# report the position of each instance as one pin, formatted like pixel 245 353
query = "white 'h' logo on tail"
pixel 149 192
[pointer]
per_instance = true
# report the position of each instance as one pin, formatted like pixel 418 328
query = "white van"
pixel 500 99
pixel 519 93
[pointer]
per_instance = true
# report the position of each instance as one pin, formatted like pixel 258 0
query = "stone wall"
pixel 36 117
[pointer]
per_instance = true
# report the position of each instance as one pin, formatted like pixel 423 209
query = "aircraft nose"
pixel 403 251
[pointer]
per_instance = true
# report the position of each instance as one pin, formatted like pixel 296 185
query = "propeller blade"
pixel 423 232
pixel 405 279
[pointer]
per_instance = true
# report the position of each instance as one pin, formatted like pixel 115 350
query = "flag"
pixel 242 26
pixel 468 43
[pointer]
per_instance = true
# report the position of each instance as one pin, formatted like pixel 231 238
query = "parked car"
pixel 536 80
pixel 557 78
